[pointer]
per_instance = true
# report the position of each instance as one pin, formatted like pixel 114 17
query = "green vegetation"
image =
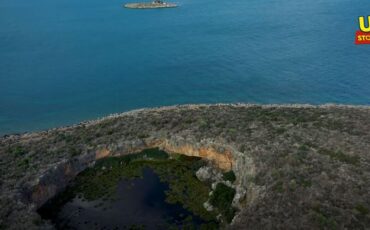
pixel 305 183
pixel 229 176
pixel 222 198
pixel 17 151
pixel 24 163
pixel 74 151
pixel 324 220
pixel 100 182
pixel 280 130
pixel 278 187
pixel 340 156
pixel 304 148
pixel 362 209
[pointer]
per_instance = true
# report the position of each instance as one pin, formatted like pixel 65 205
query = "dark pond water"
pixel 140 203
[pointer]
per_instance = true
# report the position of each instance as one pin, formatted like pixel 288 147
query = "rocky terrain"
pixel 296 166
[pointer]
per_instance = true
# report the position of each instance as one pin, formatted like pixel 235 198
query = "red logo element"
pixel 363 35
pixel 362 38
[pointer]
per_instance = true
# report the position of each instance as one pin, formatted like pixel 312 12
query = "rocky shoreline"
pixel 295 165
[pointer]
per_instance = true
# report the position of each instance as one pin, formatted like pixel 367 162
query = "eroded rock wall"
pixel 56 179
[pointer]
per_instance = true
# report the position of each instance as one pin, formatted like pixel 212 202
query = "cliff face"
pixel 295 165
pixel 56 179
pixel 221 157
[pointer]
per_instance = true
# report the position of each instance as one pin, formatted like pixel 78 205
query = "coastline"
pixel 186 106
pixel 289 157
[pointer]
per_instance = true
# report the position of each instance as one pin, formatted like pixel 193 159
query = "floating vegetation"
pixel 101 187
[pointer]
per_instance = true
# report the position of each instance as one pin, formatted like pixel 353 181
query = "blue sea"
pixel 65 61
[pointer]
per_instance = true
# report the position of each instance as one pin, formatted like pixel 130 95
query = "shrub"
pixel 229 176
pixel 340 156
pixel 74 151
pixel 24 163
pixel 17 151
pixel 304 148
pixel 362 209
pixel 324 221
pixel 222 198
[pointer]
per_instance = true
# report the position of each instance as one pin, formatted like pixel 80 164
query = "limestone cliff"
pixel 56 178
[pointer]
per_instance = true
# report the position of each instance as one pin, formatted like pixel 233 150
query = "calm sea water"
pixel 63 61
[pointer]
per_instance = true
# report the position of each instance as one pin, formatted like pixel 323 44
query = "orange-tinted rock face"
pixel 101 153
pixel 223 160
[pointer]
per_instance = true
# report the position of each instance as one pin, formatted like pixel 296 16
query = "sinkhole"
pixel 147 190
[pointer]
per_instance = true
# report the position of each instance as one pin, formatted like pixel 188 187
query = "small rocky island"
pixel 256 166
pixel 150 5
